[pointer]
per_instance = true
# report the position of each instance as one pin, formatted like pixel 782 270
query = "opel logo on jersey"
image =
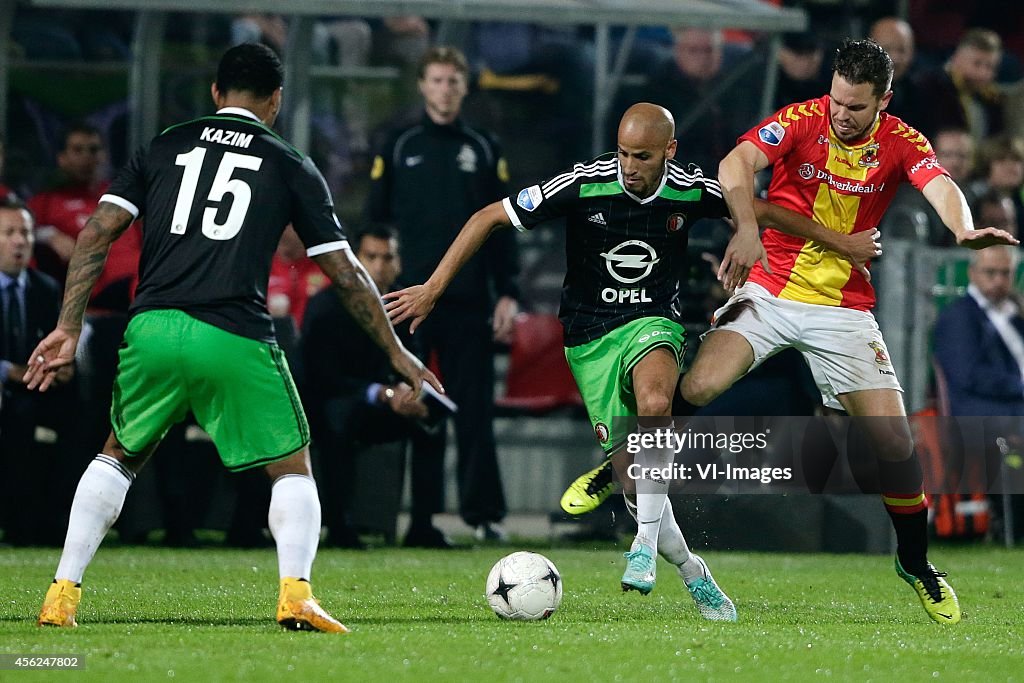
pixel 630 261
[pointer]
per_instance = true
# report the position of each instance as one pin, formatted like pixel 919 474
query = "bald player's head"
pixel 649 121
pixel 646 141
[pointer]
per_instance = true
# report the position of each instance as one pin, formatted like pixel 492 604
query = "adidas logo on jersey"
pixel 597 218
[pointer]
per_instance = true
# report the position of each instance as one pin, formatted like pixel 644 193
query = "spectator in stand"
pixel 964 94
pixel 62 210
pixel 356 405
pixel 986 383
pixel 707 130
pixel 30 423
pixel 1001 169
pixel 897 38
pixel 910 216
pixel 955 150
pixel 997 210
pixel 800 74
pixel 400 40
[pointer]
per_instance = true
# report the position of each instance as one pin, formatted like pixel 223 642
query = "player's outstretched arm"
pixel 951 205
pixel 736 176
pixel 415 303
pixel 57 349
pixel 362 300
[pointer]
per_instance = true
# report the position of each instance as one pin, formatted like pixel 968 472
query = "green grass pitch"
pixel 207 615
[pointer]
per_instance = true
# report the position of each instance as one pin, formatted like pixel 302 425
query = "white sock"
pixel 98 501
pixel 295 524
pixel 651 494
pixel 671 542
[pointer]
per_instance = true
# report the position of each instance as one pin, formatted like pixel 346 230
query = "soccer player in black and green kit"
pixel 627 217
pixel 216 194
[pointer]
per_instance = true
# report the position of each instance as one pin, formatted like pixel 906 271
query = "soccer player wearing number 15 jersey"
pixel 216 193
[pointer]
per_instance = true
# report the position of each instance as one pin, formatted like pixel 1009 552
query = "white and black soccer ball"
pixel 524 586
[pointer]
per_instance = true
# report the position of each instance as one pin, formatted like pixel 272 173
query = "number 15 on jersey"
pixel 223 184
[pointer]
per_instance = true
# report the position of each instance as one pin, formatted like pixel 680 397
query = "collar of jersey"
pixel 239 111
pixel 654 195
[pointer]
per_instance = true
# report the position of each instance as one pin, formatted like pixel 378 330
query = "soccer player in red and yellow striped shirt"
pixel 839 160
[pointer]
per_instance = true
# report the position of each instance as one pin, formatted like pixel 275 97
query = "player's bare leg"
pixel 723 358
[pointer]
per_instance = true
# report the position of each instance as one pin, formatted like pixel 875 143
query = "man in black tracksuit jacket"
pixel 428 178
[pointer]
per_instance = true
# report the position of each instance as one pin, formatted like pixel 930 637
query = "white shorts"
pixel 843 347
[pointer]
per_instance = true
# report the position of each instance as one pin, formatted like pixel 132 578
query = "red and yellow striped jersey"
pixel 845 187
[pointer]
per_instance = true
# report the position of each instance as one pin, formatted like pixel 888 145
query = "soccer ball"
pixel 524 586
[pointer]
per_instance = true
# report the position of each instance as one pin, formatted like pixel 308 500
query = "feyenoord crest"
pixel 601 430
pixel 676 222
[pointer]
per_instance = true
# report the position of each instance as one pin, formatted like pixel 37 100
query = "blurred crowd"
pixel 959 79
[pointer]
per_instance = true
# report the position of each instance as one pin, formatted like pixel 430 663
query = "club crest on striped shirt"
pixel 676 222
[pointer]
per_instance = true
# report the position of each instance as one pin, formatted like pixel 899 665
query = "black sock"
pixel 902 485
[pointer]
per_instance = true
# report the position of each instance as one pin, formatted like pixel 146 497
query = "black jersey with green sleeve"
pixel 215 194
pixel 625 256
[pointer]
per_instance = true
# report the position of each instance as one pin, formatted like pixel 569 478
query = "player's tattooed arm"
pixel 106 224
pixel 362 300
pixel 53 356
pixel 360 296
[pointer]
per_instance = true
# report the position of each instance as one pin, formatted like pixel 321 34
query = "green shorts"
pixel 603 371
pixel 239 389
